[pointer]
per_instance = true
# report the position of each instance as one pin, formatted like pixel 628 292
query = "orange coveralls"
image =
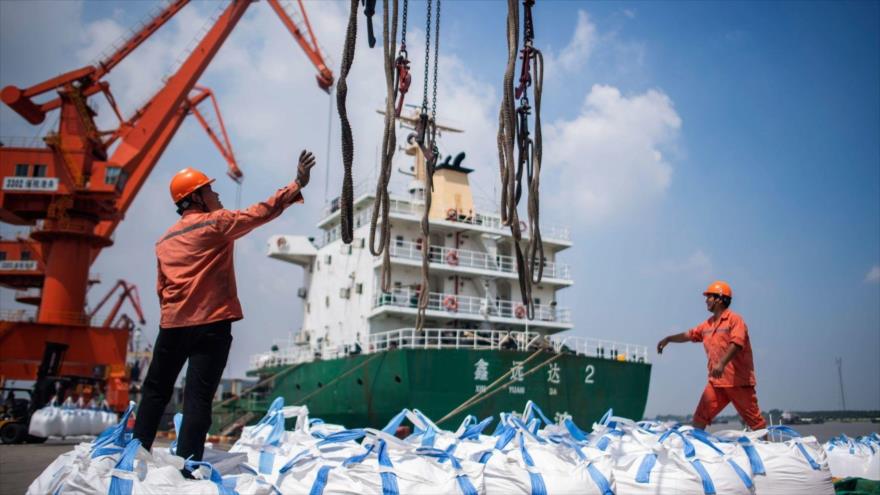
pixel 196 283
pixel 737 383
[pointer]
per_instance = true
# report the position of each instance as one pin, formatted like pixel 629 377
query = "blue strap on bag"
pixel 573 430
pixel 474 431
pixel 690 454
pixel 505 437
pixel 598 478
pixel 537 481
pixel 178 421
pixel 122 486
pixel 118 435
pixel 464 482
pixel 791 432
pixel 215 476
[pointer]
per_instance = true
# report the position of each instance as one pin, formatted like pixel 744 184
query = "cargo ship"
pixel 357 359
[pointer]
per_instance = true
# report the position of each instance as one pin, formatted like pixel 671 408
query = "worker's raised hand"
pixel 717 370
pixel 661 345
pixel 304 169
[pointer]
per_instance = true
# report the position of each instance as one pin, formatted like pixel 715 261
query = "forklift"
pixel 16 412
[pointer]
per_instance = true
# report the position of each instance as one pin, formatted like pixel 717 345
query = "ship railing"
pixel 479 218
pixel 606 349
pixel 415 208
pixel 460 304
pixel 444 255
pixel 453 338
pixel 294 354
pixel 450 338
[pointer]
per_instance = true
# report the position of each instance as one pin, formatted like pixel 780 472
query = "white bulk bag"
pixel 46 421
pixel 523 462
pixel 312 468
pixel 268 446
pixel 850 457
pixel 797 465
pixel 417 470
pixel 57 472
pixel 673 466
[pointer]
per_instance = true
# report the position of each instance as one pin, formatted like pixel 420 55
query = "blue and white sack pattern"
pixel 854 457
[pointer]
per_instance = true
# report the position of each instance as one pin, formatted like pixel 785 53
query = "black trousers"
pixel 206 347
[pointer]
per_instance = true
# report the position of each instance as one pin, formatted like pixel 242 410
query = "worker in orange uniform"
pixel 725 337
pixel 198 300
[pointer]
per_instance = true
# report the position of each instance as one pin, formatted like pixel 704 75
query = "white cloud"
pixel 610 157
pixel 873 275
pixel 581 45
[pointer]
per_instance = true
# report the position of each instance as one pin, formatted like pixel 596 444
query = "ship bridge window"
pixel 327 301
pixel 21 170
pixel 328 259
pixel 25 255
pixel 2 255
pixel 39 170
pixel 398 241
pixel 359 288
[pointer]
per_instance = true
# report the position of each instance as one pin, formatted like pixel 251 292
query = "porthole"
pixel 397 378
pixel 360 382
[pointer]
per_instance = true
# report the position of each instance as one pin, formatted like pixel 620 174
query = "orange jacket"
pixel 716 336
pixel 196 282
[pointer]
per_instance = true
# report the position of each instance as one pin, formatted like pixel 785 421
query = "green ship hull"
pixel 368 390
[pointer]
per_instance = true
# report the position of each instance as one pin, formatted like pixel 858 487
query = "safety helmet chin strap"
pixel 190 201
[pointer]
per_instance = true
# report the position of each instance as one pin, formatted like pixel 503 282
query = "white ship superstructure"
pixel 473 280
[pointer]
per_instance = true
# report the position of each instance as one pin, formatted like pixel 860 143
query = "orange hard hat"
pixel 186 181
pixel 720 288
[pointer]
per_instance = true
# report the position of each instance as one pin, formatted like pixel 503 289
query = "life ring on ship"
pixel 452 258
pixel 519 311
pixel 450 302
pixel 451 214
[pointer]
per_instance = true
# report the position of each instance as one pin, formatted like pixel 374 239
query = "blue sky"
pixel 695 141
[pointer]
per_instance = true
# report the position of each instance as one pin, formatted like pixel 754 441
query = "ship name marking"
pixel 553 374
pixel 481 370
pixel 516 372
pixel 590 371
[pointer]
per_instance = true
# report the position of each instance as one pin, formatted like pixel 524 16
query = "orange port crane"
pixel 75 190
pixel 129 292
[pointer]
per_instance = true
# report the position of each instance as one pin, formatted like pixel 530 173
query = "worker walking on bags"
pixel 199 302
pixel 725 337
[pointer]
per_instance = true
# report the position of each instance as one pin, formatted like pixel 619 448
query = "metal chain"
pixel 436 50
pixel 427 57
pixel 403 28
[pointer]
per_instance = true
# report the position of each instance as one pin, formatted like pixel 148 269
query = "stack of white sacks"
pixel 71 419
pixel 117 464
pixel 525 454
pixel 854 457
